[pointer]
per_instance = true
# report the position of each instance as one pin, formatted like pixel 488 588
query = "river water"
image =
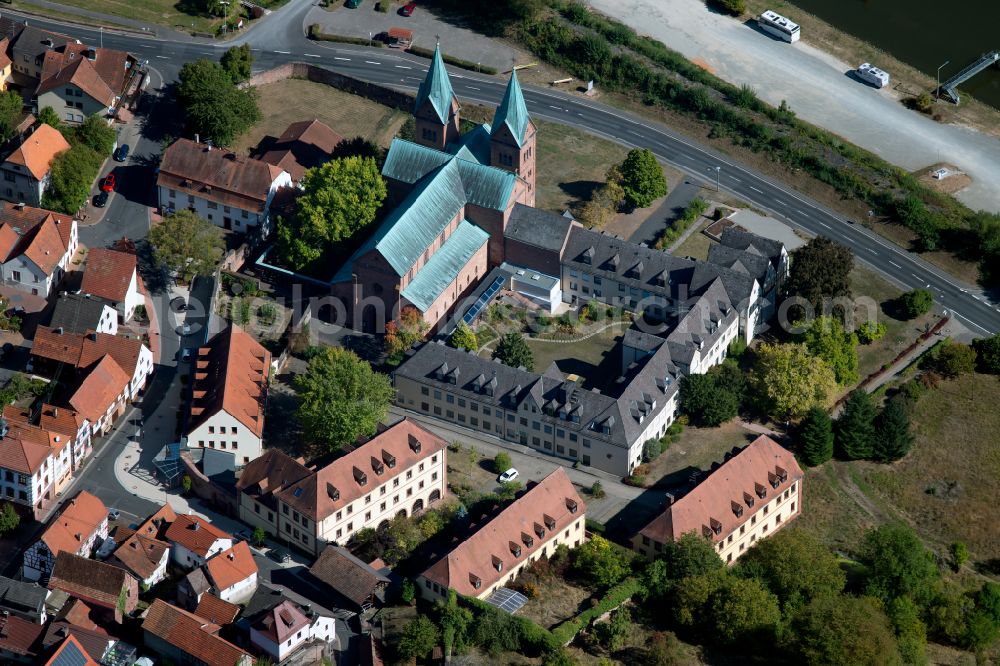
pixel 923 33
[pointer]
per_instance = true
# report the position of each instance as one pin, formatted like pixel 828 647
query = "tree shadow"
pixel 153 275
pixel 367 347
pixel 580 189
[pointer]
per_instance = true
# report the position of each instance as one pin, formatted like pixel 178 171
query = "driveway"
pixel 816 88
pixel 456 40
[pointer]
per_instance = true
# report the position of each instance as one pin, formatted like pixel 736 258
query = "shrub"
pixel 451 60
pixel 502 462
pixel 408 592
pixel 988 353
pixel 597 490
pixel 614 597
pixel 916 303
pixel 870 331
pixel 951 359
pixel 731 7
pixel 651 450
pixel 959 555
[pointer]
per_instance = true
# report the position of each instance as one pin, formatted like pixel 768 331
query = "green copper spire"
pixel 437 88
pixel 512 111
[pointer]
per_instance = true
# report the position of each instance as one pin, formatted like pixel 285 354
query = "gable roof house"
pixel 549 514
pixel 194 540
pixel 753 494
pixel 97 584
pixel 78 529
pixel 349 577
pixel 258 484
pixel 305 144
pixel 143 557
pixel 188 639
pixel 23 599
pixel 113 276
pixel 233 573
pixel 36 247
pixel 286 627
pixel 217 611
pixel 27 170
pixel 20 640
pixel 81 314
pixel 82 81
pixel 27 468
pixel 400 471
pixel 228 190
pixel 229 395
pixel 71 653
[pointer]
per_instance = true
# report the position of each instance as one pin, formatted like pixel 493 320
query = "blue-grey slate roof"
pixel 512 111
pixel 444 265
pixel 436 87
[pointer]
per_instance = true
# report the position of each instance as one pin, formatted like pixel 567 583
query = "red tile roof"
pixel 156 525
pixel 70 651
pixel 38 150
pixel 78 613
pixel 22 457
pixel 192 635
pixel 269 473
pixel 102 77
pixel 338 478
pixel 108 274
pixel 303 145
pixel 195 533
pixel 97 583
pixel 62 420
pixel 43 245
pixel 281 621
pixel 82 350
pixel 81 517
pixel 215 610
pixel 735 484
pixel 19 636
pixel 100 389
pixel 548 508
pixel 141 555
pixel 216 175
pixel 231 374
pixel 25 218
pixel 232 566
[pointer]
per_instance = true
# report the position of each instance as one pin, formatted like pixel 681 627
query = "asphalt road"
pixel 281 41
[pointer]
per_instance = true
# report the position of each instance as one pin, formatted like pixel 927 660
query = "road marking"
pixel 207 53
pixel 736 179
pixel 826 225
pixel 339 58
pixel 311 55
pixel 557 108
pixel 915 275
pixel 284 52
pixel 163 57
pixel 402 67
pixel 756 190
pixel 988 332
pixel 872 251
pixel 634 132
pixel 779 201
pixel 372 62
pixel 894 264
pixel 472 87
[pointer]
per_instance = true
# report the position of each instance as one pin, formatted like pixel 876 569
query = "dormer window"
pixel 497 563
pixel 360 477
pixel 490 387
pixel 588 256
pixel 761 490
pixel 772 478
pixel 332 492
pixel 388 459
pixel 716 526
pixel 414 444
pixel 748 499
pixel 571 505
pixel 527 539
pixel 377 466
pixel 476 581
pixel 550 522
pixel 737 509
pixel 515 549
pixel 782 474
pixel 540 531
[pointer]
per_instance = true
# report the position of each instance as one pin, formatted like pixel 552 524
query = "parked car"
pixel 280 556
pixel 101 199
pixel 186 354
pixel 243 535
pixel 352 4
pixel 407 9
pixel 108 183
pixel 507 476
pixel 122 153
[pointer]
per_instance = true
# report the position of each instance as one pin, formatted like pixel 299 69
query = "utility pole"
pixel 225 16
pixel 102 36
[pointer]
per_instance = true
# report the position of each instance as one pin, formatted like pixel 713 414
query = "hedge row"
pixel 451 60
pixel 316 34
pixel 533 637
pixel 616 596
pixel 671 233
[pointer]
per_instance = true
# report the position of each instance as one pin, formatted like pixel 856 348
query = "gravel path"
pixel 818 89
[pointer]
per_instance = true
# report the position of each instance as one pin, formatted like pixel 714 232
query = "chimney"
pixel 55 411
pixel 197 138
pixel 93 336
pixel 19 205
pixel 195 526
pixel 231 557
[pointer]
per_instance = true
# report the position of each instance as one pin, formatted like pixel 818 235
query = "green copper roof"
pixel 512 110
pixel 436 88
pixel 474 145
pixel 444 266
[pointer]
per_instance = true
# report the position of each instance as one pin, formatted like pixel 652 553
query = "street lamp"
pixel 225 16
pixel 937 91
pixel 718 176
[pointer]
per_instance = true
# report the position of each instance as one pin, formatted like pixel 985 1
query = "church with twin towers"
pixel 450 199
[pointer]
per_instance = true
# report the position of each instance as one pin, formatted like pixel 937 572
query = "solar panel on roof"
pixel 70 655
pixel 507 600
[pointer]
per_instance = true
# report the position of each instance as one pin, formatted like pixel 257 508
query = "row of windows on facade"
pixel 222 444
pixel 212 205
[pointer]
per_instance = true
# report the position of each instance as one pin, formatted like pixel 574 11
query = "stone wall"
pixel 316 74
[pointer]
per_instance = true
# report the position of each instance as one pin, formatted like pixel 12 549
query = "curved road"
pixel 280 39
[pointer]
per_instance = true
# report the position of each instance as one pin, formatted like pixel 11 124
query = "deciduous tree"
pixel 72 173
pixel 742 609
pixel 48 116
pixel 463 338
pixel 9 518
pixel 187 244
pixel 893 438
pixel 690 555
pixel 419 637
pixel 820 269
pixel 827 339
pixel 816 437
pixel 952 359
pixel 340 198
pixel 788 380
pixel 841 630
pixel 910 630
pixel 917 302
pixel 341 398
pixel 238 62
pixel 513 350
pixel 11 111
pixel 705 402
pixel 898 564
pixel 856 434
pixel 96 133
pixel 988 353
pixel 403 334
pixel 502 462
pixel 215 107
pixel 600 562
pixel 615 632
pixel 642 178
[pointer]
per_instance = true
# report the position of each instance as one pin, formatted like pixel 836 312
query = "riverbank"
pixel 907 81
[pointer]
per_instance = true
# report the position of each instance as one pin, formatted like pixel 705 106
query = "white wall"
pixel 188 559
pixel 240 592
pixel 243 443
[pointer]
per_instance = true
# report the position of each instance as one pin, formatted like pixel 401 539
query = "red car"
pixel 108 183
pixel 407 9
